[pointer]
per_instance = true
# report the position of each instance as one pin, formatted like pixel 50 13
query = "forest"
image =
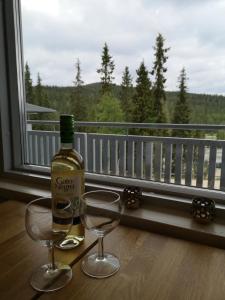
pixel 205 109
pixel 143 100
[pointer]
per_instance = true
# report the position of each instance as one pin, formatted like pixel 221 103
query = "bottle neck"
pixel 66 145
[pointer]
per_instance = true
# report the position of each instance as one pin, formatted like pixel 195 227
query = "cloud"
pixel 57 32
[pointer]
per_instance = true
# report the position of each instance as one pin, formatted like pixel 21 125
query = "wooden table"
pixel 152 266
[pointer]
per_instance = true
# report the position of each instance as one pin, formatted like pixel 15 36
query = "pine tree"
pixel 126 94
pixel 77 100
pixel 159 84
pixel 28 84
pixel 182 111
pixel 41 99
pixel 142 100
pixel 106 70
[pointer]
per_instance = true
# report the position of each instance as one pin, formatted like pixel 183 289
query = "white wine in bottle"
pixel 67 182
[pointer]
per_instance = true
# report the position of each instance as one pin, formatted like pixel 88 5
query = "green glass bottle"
pixel 67 180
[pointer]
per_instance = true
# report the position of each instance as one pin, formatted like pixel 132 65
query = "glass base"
pixel 46 280
pixel 100 267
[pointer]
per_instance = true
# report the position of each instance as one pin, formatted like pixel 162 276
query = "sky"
pixel 57 32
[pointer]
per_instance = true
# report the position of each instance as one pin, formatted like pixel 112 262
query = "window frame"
pixel 12 91
pixel 13 138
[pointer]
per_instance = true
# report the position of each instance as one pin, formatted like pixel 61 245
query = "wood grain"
pixel 152 267
pixel 19 255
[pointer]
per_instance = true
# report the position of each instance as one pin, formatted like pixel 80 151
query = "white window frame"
pixel 12 94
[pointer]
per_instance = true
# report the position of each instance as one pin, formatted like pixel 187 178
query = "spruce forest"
pixel 140 100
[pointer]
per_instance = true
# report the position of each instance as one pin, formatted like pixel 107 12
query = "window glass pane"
pixel 130 61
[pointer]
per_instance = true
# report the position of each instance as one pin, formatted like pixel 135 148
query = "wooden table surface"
pixel 152 266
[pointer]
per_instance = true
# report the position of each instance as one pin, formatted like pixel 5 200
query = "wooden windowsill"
pixel 176 223
pixel 168 219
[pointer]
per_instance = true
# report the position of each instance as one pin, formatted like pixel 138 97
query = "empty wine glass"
pixel 47 226
pixel 100 212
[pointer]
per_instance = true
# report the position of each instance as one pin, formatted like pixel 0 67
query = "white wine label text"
pixel 70 185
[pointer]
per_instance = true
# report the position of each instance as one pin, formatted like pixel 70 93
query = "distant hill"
pixel 205 108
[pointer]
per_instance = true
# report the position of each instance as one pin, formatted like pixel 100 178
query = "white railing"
pixel 185 161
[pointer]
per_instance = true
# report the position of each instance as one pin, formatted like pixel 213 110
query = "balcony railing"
pixel 181 161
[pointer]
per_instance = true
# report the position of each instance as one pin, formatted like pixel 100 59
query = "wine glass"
pixel 100 213
pixel 47 226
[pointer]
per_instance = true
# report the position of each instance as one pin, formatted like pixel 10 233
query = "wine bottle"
pixel 67 181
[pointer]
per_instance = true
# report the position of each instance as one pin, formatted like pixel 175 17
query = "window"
pixel 115 154
pixel 127 164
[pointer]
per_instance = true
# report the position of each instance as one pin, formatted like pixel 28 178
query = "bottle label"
pixel 67 185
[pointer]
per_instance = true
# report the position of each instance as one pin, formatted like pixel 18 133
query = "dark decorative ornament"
pixel 203 209
pixel 132 197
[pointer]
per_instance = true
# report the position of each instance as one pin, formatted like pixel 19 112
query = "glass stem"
pixel 52 256
pixel 100 248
